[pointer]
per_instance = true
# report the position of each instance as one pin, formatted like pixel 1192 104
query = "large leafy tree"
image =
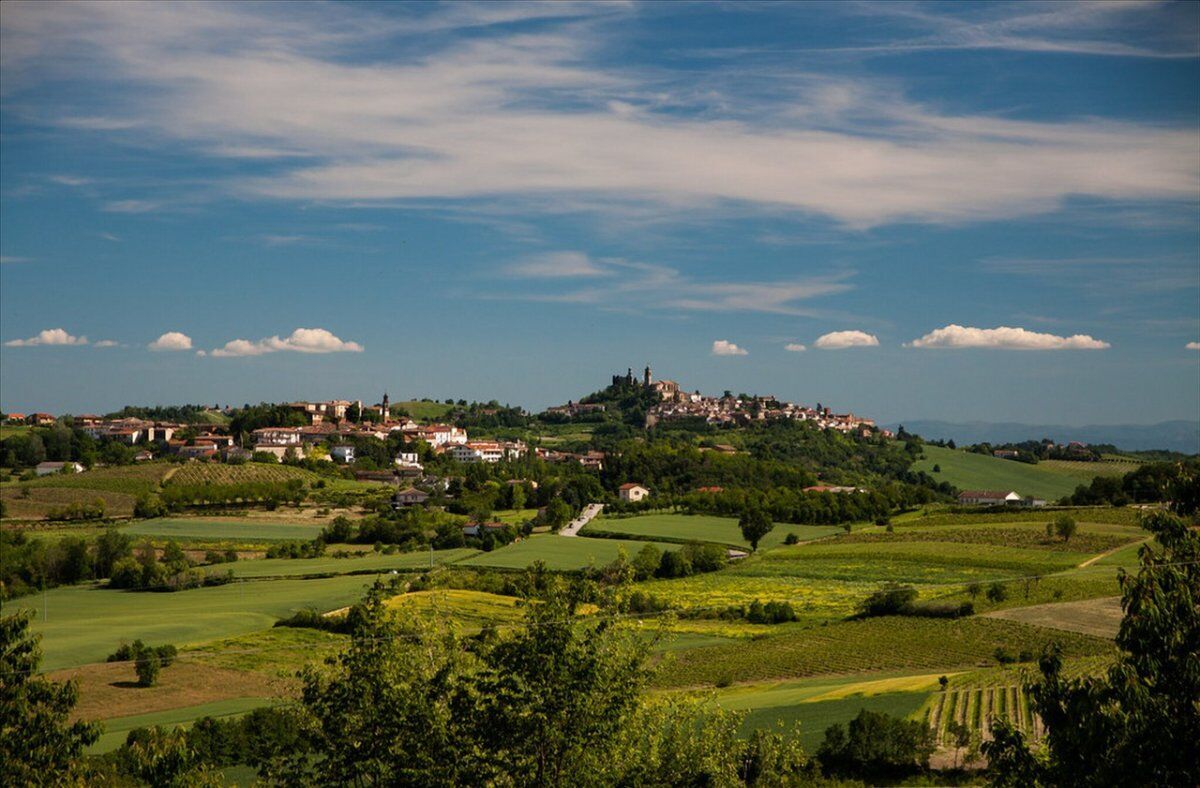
pixel 755 524
pixel 1139 724
pixel 38 746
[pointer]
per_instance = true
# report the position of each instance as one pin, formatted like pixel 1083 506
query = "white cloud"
pixel 956 336
pixel 482 117
pixel 69 180
pixel 172 340
pixel 49 336
pixel 559 265
pixel 302 340
pixel 837 340
pixel 10 259
pixel 107 343
pixel 1193 346
pixel 794 347
pixel 130 206
pixel 632 283
pixel 110 237
pixel 722 347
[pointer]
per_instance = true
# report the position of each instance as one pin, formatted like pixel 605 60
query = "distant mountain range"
pixel 1181 436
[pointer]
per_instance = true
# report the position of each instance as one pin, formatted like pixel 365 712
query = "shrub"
pixel 792 538
pixel 891 600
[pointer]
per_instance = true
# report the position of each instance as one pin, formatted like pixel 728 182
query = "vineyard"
pixel 717 590
pixel 905 562
pixel 558 552
pixel 684 528
pixel 1007 516
pixel 1088 539
pixel 119 488
pixel 976 708
pixel 917 644
pixel 194 473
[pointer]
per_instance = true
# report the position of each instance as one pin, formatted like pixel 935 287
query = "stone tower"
pixel 387 408
pixel 648 377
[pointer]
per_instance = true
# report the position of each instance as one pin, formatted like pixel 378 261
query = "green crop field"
pixel 117 729
pixel 202 529
pixel 562 553
pixel 514 516
pixel 216 473
pixel 128 479
pixel 811 719
pixel 1093 515
pixel 704 528
pixel 85 624
pixel 906 562
pixel 968 471
pixel 328 565
pixel 1108 467
pixel 876 644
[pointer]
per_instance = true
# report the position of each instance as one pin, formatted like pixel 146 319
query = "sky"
pixel 908 210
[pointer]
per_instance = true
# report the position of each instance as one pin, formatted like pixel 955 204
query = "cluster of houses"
pixel 676 403
pixel 997 498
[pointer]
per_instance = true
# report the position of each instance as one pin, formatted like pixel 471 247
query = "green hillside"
pixel 968 471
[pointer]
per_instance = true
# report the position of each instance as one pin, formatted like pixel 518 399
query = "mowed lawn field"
pixel 84 624
pixel 116 730
pixel 968 471
pixel 704 528
pixel 327 565
pixel 203 529
pixel 563 553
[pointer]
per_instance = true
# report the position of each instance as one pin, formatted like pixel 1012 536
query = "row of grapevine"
pixel 976 708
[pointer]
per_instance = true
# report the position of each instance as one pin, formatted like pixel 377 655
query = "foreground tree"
pixel 558 701
pixel 1139 724
pixel 37 744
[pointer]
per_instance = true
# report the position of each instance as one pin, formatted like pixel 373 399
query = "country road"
pixel 585 517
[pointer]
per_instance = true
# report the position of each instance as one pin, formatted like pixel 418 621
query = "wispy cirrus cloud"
pixel 1192 346
pixel 487 117
pixel 51 337
pixel 130 206
pixel 794 347
pixel 302 340
pixel 1004 337
pixel 628 282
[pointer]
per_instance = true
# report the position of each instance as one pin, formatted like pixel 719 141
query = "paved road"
pixel 585 517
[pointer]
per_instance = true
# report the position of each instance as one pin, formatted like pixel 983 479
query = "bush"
pixel 891 600
pixel 792 538
pixel 876 747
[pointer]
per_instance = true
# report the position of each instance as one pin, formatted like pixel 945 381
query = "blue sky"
pixel 954 211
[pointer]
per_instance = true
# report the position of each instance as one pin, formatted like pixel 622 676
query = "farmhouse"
pixel 988 498
pixel 1006 454
pixel 41 419
pixel 47 468
pixel 632 493
pixel 410 497
pixel 276 436
pixel 343 452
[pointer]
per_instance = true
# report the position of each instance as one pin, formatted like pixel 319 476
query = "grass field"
pixel 117 730
pixel 37 502
pixel 877 644
pixel 514 516
pixel 1089 539
pixel 704 528
pixel 327 565
pixel 85 624
pixel 561 553
pixel 421 409
pixel 202 529
pixel 811 599
pixel 217 473
pixel 968 471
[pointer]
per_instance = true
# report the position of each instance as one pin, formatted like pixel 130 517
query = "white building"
pixel 632 493
pixel 342 453
pixel 988 498
pixel 46 469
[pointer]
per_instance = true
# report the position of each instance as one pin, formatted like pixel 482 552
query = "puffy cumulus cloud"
pixel 836 340
pixel 1193 346
pixel 723 347
pixel 107 343
pixel 956 336
pixel 49 336
pixel 302 340
pixel 794 347
pixel 172 340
